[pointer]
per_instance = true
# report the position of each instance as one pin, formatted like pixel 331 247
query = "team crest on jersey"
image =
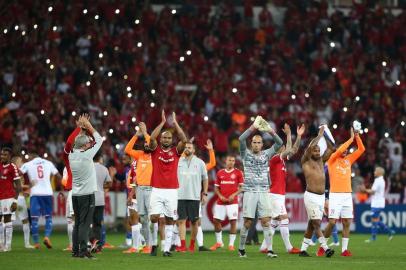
pixel 233 176
pixel 170 153
pixel 5 171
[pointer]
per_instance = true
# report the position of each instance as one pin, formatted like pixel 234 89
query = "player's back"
pixel 39 173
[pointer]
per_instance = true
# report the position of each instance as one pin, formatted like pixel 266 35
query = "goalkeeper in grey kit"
pixel 256 181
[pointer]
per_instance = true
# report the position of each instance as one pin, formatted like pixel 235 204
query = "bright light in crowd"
pixel 125 77
pixel 128 88
pixel 105 113
pixel 22 152
pixel 188 52
pixel 85 11
pixel 133 119
pixel 50 8
pixel 333 70
pixel 345 109
pixel 104 138
pixel 152 104
pixel 293 96
pixel 96 17
pixel 23 33
pixel 357 98
pixel 182 58
pixel 51 66
pixel 73 113
pixel 352 174
pixel 384 63
pixel 332 44
pixel 54 28
pixel 129 95
pixel 13 94
pixel 5 31
pixel 91 73
pixel 329 29
pixel 137 21
pixel 35 26
pixel 153 91
pixel 111 131
pixel 48 61
pixel 335 126
pixel 398 82
pixel 351 150
pixel 26 156
pixel 139 44
pixel 252 118
pixel 366 130
pixel 386 135
pixel 42 112
pixel 307 95
pixel 117 146
pixel 173 11
pixel 361 132
pixel 100 55
pixel 117 11
pixel 137 128
pixel 206 118
pixel 234 90
pixel 88 83
pixel 45 155
pixel 16 27
pixel 121 122
pixel 402 123
pixel 109 74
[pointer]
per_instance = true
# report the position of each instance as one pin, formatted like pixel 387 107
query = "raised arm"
pixel 243 139
pixel 288 148
pixel 212 157
pixel 342 148
pixel 135 154
pixel 300 130
pixel 181 135
pixel 307 153
pixel 360 149
pixel 155 133
pixel 278 143
pixel 91 152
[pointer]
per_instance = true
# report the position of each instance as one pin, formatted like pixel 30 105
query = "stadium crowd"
pixel 123 62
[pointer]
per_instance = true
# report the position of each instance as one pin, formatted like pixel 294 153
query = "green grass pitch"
pixel 382 254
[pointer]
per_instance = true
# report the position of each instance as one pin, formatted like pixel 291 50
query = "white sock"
pixel 128 241
pixel 323 243
pixel 268 237
pixel 284 227
pixel 70 226
pixel 219 237
pixel 199 236
pixel 168 237
pixel 232 239
pixel 26 230
pixel 263 245
pixel 175 235
pixel 154 234
pixel 274 225
pixel 2 234
pixel 163 244
pixel 141 239
pixel 135 232
pixel 8 228
pixel 344 242
pixel 305 244
pixel 243 237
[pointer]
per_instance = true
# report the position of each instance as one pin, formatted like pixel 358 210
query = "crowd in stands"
pixel 216 66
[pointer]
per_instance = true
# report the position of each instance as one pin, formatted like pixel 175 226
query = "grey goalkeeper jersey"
pixel 256 166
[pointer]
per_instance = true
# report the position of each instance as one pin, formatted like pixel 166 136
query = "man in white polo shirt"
pixel 192 174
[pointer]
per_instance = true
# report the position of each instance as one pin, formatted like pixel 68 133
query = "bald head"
pixel 256 144
pixel 166 139
pixel 379 171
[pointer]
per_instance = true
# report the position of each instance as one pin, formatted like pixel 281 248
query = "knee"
pixel 247 223
pixel 265 222
pixel 154 218
pixel 332 221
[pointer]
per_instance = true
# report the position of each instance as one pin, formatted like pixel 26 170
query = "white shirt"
pixel 39 173
pixel 83 171
pixel 378 198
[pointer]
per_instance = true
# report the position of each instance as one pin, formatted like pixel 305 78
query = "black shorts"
pixel 188 209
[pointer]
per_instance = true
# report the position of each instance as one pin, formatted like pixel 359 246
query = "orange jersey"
pixel 144 162
pixel 339 168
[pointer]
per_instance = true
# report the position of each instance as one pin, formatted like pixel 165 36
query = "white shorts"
pixel 22 212
pixel 277 205
pixel 69 205
pixel 5 206
pixel 256 200
pixel 340 205
pixel 314 204
pixel 164 201
pixel 229 210
pixel 133 206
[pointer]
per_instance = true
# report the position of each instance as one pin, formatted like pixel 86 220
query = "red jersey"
pixel 165 168
pixel 228 183
pixel 277 171
pixel 8 174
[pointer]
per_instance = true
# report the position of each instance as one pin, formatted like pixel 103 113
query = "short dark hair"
pixel 98 156
pixel 8 150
